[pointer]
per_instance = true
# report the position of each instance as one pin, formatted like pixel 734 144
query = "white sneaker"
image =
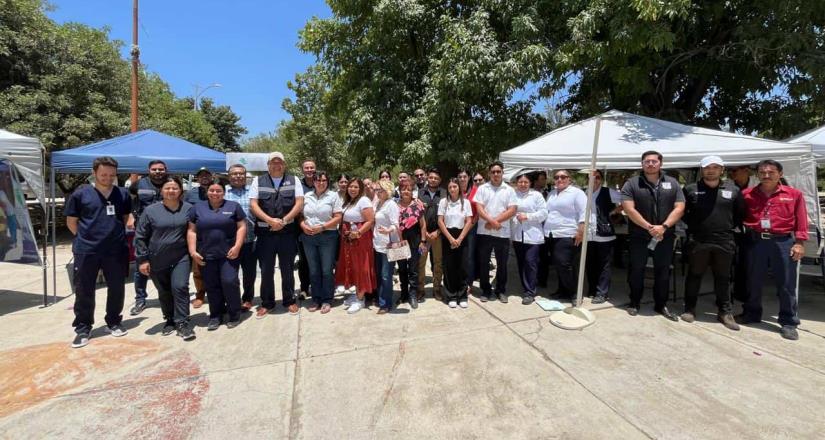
pixel 351 290
pixel 463 304
pixel 452 304
pixel 350 298
pixel 116 330
pixel 355 307
pixel 340 290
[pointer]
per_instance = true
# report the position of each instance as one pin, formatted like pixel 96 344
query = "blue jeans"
pixel 320 257
pixel 383 268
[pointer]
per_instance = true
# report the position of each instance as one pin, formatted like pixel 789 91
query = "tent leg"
pixel 54 242
pixel 45 230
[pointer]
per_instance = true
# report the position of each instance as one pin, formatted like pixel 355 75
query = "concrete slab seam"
pixel 294 417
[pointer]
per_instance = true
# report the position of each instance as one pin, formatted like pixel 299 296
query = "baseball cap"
pixel 276 155
pixel 711 160
pixel 202 169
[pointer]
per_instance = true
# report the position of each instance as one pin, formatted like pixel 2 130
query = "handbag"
pixel 398 250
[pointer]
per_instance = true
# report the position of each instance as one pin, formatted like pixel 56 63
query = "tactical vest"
pixel 147 193
pixel 604 206
pixel 276 202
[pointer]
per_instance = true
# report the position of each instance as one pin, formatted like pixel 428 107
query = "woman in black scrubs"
pixel 217 228
pixel 162 254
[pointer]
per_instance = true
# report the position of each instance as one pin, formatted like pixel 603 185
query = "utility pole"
pixel 135 63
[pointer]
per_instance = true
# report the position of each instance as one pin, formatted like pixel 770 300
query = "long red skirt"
pixel 356 264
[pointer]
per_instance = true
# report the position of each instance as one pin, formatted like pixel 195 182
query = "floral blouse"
pixel 409 215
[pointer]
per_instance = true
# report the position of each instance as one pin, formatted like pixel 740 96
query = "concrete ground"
pixel 492 371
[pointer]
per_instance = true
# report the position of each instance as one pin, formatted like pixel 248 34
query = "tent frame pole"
pixel 45 230
pixel 54 239
pixel 587 211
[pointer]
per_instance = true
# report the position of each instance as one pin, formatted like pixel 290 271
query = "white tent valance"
pixel 27 155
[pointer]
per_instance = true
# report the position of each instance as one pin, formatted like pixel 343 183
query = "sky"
pixel 247 46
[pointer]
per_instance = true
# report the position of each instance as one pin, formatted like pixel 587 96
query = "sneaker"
pixel 340 290
pixel 463 304
pixel 233 324
pixel 185 331
pixel 302 295
pixel 355 307
pixel 503 298
pixel 413 301
pixel 632 311
pixel 137 308
pixel 527 300
pixel 484 298
pixel 80 340
pixel 168 329
pixel 688 317
pixel 452 304
pixel 214 323
pixel 351 298
pixel 598 299
pixel 116 330
pixel 789 332
pixel 727 320
pixel 744 319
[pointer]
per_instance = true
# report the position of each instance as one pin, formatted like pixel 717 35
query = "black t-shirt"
pixel 100 229
pixel 712 213
pixel 216 228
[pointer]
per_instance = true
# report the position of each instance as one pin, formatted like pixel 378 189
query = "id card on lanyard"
pixel 765 223
pixel 110 209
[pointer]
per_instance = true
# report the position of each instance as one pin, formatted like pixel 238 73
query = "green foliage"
pixel 225 122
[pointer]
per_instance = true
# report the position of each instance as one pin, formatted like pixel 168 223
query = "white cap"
pixel 276 155
pixel 711 160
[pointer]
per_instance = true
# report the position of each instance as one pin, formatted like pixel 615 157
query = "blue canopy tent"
pixel 133 153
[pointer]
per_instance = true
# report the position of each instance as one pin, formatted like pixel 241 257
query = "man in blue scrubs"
pixel 147 192
pixel 97 215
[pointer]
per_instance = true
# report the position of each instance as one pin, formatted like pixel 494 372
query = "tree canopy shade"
pixel 424 81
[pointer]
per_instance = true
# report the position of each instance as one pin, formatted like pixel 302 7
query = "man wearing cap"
pixel 146 191
pixel 654 202
pixel 276 199
pixel 712 209
pixel 194 195
pixel 777 225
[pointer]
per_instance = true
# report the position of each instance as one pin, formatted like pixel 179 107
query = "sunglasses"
pixel 560 177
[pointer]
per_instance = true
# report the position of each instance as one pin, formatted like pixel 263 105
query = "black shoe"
pixel 168 329
pixel 598 299
pixel 214 323
pixel 413 301
pixel 116 330
pixel 80 340
pixel 137 308
pixel 484 298
pixel 233 324
pixel 503 298
pixel 666 313
pixel 789 332
pixel 632 310
pixel 527 300
pixel 742 319
pixel 185 331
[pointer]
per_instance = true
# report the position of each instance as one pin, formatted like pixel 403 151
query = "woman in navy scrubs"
pixel 162 254
pixel 217 228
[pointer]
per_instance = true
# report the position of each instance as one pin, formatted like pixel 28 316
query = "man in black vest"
pixel 276 199
pixel 606 203
pixel 654 202
pixel 712 209
pixel 147 191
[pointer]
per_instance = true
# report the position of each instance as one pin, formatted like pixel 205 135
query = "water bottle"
pixel 352 227
pixel 652 244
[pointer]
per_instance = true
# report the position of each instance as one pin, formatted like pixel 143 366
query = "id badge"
pixel 766 224
pixel 110 209
pixel 666 185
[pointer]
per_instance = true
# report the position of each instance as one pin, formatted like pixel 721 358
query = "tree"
pixel 225 122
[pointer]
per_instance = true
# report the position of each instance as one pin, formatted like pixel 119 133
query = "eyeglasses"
pixel 157 170
pixel 650 162
pixel 560 177
pixel 237 174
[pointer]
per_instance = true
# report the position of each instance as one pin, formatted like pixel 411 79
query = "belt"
pixel 769 236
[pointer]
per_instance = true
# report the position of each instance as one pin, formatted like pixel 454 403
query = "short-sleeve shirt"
pixel 216 228
pixel 241 197
pixel 97 231
pixel 654 201
pixel 454 212
pixel 352 213
pixel 565 210
pixel 276 183
pixel 386 216
pixel 496 200
pixel 319 210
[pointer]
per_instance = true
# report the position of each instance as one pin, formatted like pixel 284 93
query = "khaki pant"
pixel 435 250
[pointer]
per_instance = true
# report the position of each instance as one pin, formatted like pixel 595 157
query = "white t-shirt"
pixel 616 198
pixel 299 189
pixel 453 212
pixel 386 217
pixel 496 200
pixel 352 213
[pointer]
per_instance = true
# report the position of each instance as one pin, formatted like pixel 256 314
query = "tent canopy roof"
pixel 27 155
pixel 625 136
pixel 134 151
pixel 816 138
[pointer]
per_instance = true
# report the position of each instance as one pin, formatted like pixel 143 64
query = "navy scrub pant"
pixel 527 257
pixel 173 290
pixel 223 288
pixel 86 267
pixel 776 253
pixel 285 246
pixel 662 257
pixel 486 245
pixel 249 267
pixel 597 267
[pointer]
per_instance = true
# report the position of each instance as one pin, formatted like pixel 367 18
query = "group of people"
pixel 351 239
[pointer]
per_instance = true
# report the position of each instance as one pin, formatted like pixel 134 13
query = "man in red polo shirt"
pixel 777 225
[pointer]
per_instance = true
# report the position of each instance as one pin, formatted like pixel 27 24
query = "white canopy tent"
pixel 27 155
pixel 625 136
pixel 816 139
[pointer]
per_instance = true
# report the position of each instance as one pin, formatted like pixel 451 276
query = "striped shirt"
pixel 241 197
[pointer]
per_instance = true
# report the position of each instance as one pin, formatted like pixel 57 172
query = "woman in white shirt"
pixel 527 233
pixel 455 219
pixel 322 214
pixel 566 207
pixel 386 226
pixel 356 265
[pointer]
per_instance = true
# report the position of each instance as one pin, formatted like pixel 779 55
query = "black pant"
pixel 303 268
pixel 408 269
pixel 86 267
pixel 718 257
pixel 249 266
pixel 223 289
pixel 598 266
pixel 662 258
pixel 285 246
pixel 173 290
pixel 527 259
pixel 455 274
pixel 486 245
pixel 565 258
pixel 740 268
pixel 544 261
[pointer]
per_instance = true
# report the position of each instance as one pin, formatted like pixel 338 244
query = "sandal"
pixel 325 308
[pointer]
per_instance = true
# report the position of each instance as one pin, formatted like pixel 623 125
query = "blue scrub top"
pixel 98 232
pixel 216 228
